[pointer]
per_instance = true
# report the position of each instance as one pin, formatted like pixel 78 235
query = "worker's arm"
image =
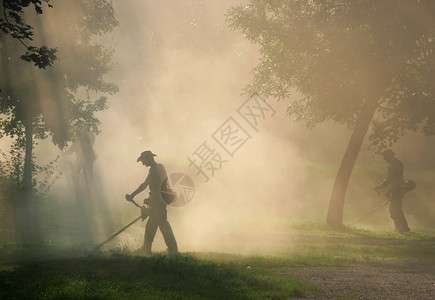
pixel 382 184
pixel 141 188
pixel 393 169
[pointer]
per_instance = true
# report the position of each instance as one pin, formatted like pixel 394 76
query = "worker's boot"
pixel 172 251
pixel 172 245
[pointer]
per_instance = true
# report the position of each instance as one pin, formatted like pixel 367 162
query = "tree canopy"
pixel 12 23
pixel 334 53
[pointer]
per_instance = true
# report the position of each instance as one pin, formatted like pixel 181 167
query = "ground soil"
pixel 410 280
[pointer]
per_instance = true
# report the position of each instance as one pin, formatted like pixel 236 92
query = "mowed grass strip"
pixel 134 277
pixel 319 229
pixel 323 254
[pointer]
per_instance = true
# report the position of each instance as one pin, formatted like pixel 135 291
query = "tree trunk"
pixel 28 162
pixel 336 204
pixel 27 217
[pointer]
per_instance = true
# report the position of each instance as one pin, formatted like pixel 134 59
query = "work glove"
pixel 147 201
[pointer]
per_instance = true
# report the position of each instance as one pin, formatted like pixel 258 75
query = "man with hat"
pixel 158 214
pixel 394 181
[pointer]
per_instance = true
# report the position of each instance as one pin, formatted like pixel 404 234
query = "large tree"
pixel 37 102
pixel 347 59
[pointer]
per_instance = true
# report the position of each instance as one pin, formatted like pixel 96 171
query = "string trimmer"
pixel 144 214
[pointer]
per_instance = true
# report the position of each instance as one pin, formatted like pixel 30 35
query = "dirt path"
pixel 410 280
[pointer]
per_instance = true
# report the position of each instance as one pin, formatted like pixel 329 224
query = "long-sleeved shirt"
pixel 156 177
pixel 394 178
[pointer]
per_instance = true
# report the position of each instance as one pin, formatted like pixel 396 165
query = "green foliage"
pixel 409 105
pixel 42 57
pixel 337 53
pixel 57 100
pixel 11 178
pixel 11 172
pixel 13 24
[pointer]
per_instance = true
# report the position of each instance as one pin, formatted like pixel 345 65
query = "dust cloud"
pixel 180 73
pixel 183 80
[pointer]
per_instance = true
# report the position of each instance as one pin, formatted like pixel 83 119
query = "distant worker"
pixel 158 214
pixel 395 182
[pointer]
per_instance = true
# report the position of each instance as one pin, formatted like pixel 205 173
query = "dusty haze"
pixel 180 74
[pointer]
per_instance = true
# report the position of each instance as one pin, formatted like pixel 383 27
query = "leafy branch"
pixel 42 57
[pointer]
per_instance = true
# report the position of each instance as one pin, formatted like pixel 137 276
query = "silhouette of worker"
pixel 85 157
pixel 394 181
pixel 158 214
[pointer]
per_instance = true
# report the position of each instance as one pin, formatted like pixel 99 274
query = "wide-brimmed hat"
pixel 145 154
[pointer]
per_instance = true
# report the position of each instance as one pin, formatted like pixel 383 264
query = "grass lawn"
pixel 135 277
pixel 50 273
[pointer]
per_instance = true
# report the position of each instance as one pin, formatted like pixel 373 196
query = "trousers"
pixel 158 218
pixel 396 210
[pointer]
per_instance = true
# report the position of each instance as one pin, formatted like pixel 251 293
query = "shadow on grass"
pixel 134 277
